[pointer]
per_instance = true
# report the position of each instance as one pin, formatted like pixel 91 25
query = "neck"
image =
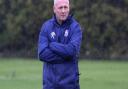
pixel 59 21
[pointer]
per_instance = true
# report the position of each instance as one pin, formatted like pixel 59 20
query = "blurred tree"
pixel 104 24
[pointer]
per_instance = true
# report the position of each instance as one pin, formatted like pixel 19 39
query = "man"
pixel 58 47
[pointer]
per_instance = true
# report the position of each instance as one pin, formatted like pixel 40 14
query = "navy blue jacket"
pixel 58 48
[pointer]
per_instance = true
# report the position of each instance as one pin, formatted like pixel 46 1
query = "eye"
pixel 65 7
pixel 60 7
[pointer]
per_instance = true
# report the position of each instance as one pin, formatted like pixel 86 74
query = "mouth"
pixel 63 15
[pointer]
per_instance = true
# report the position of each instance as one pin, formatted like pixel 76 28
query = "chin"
pixel 63 19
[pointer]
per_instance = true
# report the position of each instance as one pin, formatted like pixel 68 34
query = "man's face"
pixel 61 10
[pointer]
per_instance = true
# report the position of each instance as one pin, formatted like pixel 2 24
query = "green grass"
pixel 20 74
pixel 27 74
pixel 104 75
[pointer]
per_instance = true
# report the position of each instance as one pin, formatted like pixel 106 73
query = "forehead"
pixel 61 3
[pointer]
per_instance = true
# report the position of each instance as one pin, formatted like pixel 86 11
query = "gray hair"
pixel 55 1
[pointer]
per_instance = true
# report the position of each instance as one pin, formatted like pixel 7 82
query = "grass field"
pixel 27 74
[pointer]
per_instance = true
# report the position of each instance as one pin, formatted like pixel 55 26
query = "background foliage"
pixel 104 24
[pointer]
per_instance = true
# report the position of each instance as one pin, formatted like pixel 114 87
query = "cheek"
pixel 68 10
pixel 58 12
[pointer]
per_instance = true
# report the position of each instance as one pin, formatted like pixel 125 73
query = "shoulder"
pixel 47 24
pixel 75 23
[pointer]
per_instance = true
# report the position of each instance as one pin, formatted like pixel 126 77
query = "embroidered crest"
pixel 53 35
pixel 66 33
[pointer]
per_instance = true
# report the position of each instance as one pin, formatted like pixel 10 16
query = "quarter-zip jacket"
pixel 58 48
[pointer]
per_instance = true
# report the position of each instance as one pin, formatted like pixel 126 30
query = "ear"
pixel 54 9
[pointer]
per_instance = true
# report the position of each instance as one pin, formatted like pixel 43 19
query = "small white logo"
pixel 53 35
pixel 66 33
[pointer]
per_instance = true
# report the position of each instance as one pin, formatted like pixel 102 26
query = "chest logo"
pixel 66 33
pixel 53 35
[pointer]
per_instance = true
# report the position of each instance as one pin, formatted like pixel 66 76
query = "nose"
pixel 63 10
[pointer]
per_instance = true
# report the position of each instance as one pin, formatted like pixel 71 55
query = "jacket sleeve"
pixel 44 53
pixel 72 48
